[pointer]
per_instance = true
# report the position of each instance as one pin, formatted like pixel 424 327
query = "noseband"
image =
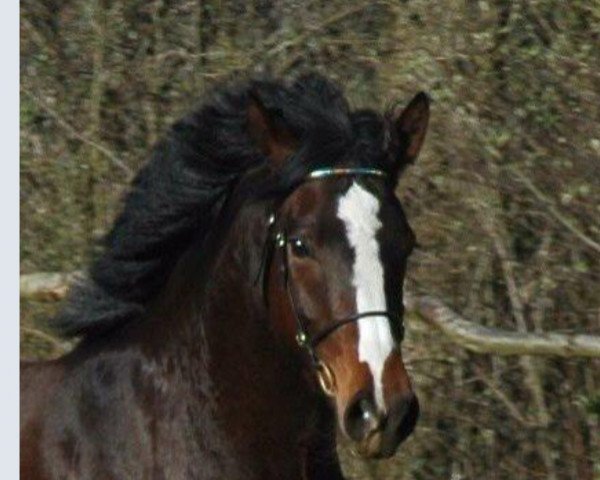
pixel 278 239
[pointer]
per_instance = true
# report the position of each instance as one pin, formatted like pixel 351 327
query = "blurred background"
pixel 505 197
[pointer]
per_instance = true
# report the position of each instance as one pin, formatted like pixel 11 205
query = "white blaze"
pixel 359 209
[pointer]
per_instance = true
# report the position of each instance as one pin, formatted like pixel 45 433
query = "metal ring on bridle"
pixel 326 378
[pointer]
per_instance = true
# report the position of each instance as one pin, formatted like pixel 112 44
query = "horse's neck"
pixel 256 388
pixel 247 361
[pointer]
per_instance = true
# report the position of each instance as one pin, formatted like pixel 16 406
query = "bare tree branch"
pixel 58 347
pixel 569 224
pixel 467 334
pixel 43 286
pixel 72 131
pixel 480 339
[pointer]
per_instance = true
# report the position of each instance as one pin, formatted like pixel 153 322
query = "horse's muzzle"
pixel 379 435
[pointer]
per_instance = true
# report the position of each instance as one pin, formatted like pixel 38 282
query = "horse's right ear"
pixel 406 129
pixel 269 133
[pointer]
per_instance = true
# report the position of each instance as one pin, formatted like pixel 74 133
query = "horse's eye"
pixel 299 248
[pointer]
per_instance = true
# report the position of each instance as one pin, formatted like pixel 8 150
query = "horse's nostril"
pixel 361 417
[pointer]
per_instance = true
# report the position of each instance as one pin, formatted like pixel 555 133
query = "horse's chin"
pixel 373 448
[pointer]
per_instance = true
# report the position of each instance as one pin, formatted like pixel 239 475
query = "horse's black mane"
pixel 177 195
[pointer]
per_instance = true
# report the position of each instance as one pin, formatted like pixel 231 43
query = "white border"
pixel 9 251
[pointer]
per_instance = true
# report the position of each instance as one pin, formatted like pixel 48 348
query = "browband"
pixel 341 172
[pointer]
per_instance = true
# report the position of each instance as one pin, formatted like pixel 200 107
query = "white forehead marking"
pixel 358 209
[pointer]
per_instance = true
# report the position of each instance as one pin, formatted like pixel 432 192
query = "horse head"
pixel 334 265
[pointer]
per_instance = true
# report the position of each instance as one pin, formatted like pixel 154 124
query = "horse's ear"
pixel 407 128
pixel 269 133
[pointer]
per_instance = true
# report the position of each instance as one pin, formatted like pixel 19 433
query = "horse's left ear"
pixel 269 132
pixel 407 128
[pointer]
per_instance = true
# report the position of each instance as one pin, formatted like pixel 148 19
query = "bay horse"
pixel 247 300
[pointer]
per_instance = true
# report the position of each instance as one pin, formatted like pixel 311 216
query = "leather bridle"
pixel 277 239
